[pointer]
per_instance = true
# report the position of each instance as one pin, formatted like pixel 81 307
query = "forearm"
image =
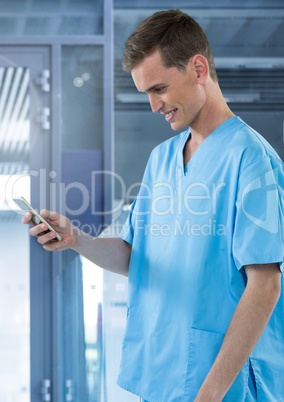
pixel 112 254
pixel 109 253
pixel 247 324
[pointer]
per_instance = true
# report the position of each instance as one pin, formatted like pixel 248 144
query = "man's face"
pixel 177 95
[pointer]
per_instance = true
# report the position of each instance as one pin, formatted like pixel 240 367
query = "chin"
pixel 178 127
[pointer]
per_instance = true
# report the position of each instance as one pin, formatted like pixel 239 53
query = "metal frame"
pixel 37 58
pixel 46 360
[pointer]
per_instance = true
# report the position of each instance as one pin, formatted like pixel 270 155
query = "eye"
pixel 160 90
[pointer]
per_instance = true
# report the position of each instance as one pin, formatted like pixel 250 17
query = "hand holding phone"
pixel 37 218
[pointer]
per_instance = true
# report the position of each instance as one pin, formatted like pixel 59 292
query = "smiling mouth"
pixel 170 114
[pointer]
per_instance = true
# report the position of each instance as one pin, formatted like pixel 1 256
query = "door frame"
pixel 37 59
pixel 46 268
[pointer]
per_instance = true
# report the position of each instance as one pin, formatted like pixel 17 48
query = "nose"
pixel 155 103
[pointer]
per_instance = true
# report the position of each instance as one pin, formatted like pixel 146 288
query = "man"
pixel 203 243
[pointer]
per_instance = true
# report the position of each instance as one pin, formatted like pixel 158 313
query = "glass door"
pixel 24 156
pixel 14 268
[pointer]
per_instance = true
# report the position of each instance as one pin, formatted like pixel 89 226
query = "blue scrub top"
pixel 192 229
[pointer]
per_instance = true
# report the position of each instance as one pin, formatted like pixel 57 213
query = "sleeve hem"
pixel 275 261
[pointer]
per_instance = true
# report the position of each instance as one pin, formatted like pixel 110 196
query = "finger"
pixel 46 237
pixel 55 246
pixel 27 219
pixel 50 215
pixel 38 230
pixel 52 246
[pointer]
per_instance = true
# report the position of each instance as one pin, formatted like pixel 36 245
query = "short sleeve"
pixel 258 229
pixel 127 232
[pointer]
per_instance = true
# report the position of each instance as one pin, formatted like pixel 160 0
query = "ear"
pixel 201 68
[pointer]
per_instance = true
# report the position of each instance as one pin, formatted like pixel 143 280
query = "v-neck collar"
pixel 195 160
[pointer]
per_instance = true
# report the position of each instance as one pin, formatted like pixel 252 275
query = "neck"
pixel 214 112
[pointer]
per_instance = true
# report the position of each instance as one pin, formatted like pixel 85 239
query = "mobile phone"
pixel 37 219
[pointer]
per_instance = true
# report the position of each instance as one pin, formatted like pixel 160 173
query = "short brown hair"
pixel 175 34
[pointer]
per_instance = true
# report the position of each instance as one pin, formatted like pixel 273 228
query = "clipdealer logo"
pixel 261 185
